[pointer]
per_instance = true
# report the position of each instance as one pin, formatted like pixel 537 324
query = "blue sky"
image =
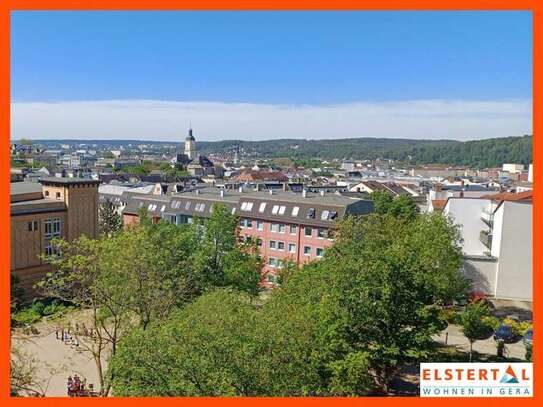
pixel 265 60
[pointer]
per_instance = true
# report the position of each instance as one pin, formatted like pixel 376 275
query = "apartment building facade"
pixel 287 226
pixel 39 212
pixel 497 243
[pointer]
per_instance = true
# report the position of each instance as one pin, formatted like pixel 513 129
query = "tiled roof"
pixel 510 196
pixel 439 203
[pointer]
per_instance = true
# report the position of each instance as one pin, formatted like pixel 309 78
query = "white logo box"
pixel 476 380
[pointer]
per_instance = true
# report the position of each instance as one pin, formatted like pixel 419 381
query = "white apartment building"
pixel 497 243
pixel 513 168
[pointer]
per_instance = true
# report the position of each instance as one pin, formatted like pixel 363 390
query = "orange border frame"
pixel 6 6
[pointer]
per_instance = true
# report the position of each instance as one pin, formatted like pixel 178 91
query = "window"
pixel 259 242
pixel 200 207
pixel 163 207
pixel 259 225
pixel 52 230
pixel 176 204
pixel 281 228
pixel 275 209
pixel 322 233
pixel 233 210
pixel 33 226
pixel 273 244
pixel 281 246
pixel 190 220
pixel 58 195
pixel 308 231
pixel 292 229
pixel 320 251
pixel 292 248
pixel 307 250
pixel 311 213
pixel 279 264
pixel 274 227
pixel 246 206
pixel 270 278
pixel 282 210
pixel 333 215
pixel 262 207
pixel 246 223
pixel 187 205
pixel 325 214
pixel 272 262
pixel 295 211
pixel 46 193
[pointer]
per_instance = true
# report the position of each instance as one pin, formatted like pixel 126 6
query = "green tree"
pixel 375 293
pixel 342 326
pixel 402 206
pixel 86 273
pixel 473 324
pixel 220 260
pixel 208 348
pixel 109 220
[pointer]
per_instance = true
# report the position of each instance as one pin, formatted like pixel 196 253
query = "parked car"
pixel 504 333
pixel 528 337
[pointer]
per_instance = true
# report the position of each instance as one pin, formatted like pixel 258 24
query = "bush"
pixel 528 356
pixel 519 328
pixel 26 316
pixel 492 323
pixel 37 310
pixel 38 307
pixel 449 315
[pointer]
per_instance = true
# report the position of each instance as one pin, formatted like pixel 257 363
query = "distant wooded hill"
pixel 481 153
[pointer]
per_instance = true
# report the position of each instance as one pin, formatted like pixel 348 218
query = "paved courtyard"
pixel 56 359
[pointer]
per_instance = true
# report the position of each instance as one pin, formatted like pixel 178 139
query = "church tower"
pixel 190 150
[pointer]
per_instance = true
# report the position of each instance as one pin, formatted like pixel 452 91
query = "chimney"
pixel 270 191
pixel 285 186
pixel 304 192
pixel 222 193
pixel 322 192
pixel 197 192
pixel 240 189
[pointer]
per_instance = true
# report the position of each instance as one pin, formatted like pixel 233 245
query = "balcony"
pixel 486 238
pixel 487 217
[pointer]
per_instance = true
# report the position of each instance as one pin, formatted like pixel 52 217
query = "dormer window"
pixel 311 213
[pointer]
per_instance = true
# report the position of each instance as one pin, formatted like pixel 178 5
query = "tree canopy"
pixel 342 326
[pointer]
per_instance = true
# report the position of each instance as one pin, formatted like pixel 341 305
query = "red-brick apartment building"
pixel 286 225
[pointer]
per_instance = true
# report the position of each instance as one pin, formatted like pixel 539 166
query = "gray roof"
pixel 43 205
pixel 68 180
pixel 16 188
pixel 313 209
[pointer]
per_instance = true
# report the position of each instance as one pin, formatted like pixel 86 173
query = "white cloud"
pixel 169 120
